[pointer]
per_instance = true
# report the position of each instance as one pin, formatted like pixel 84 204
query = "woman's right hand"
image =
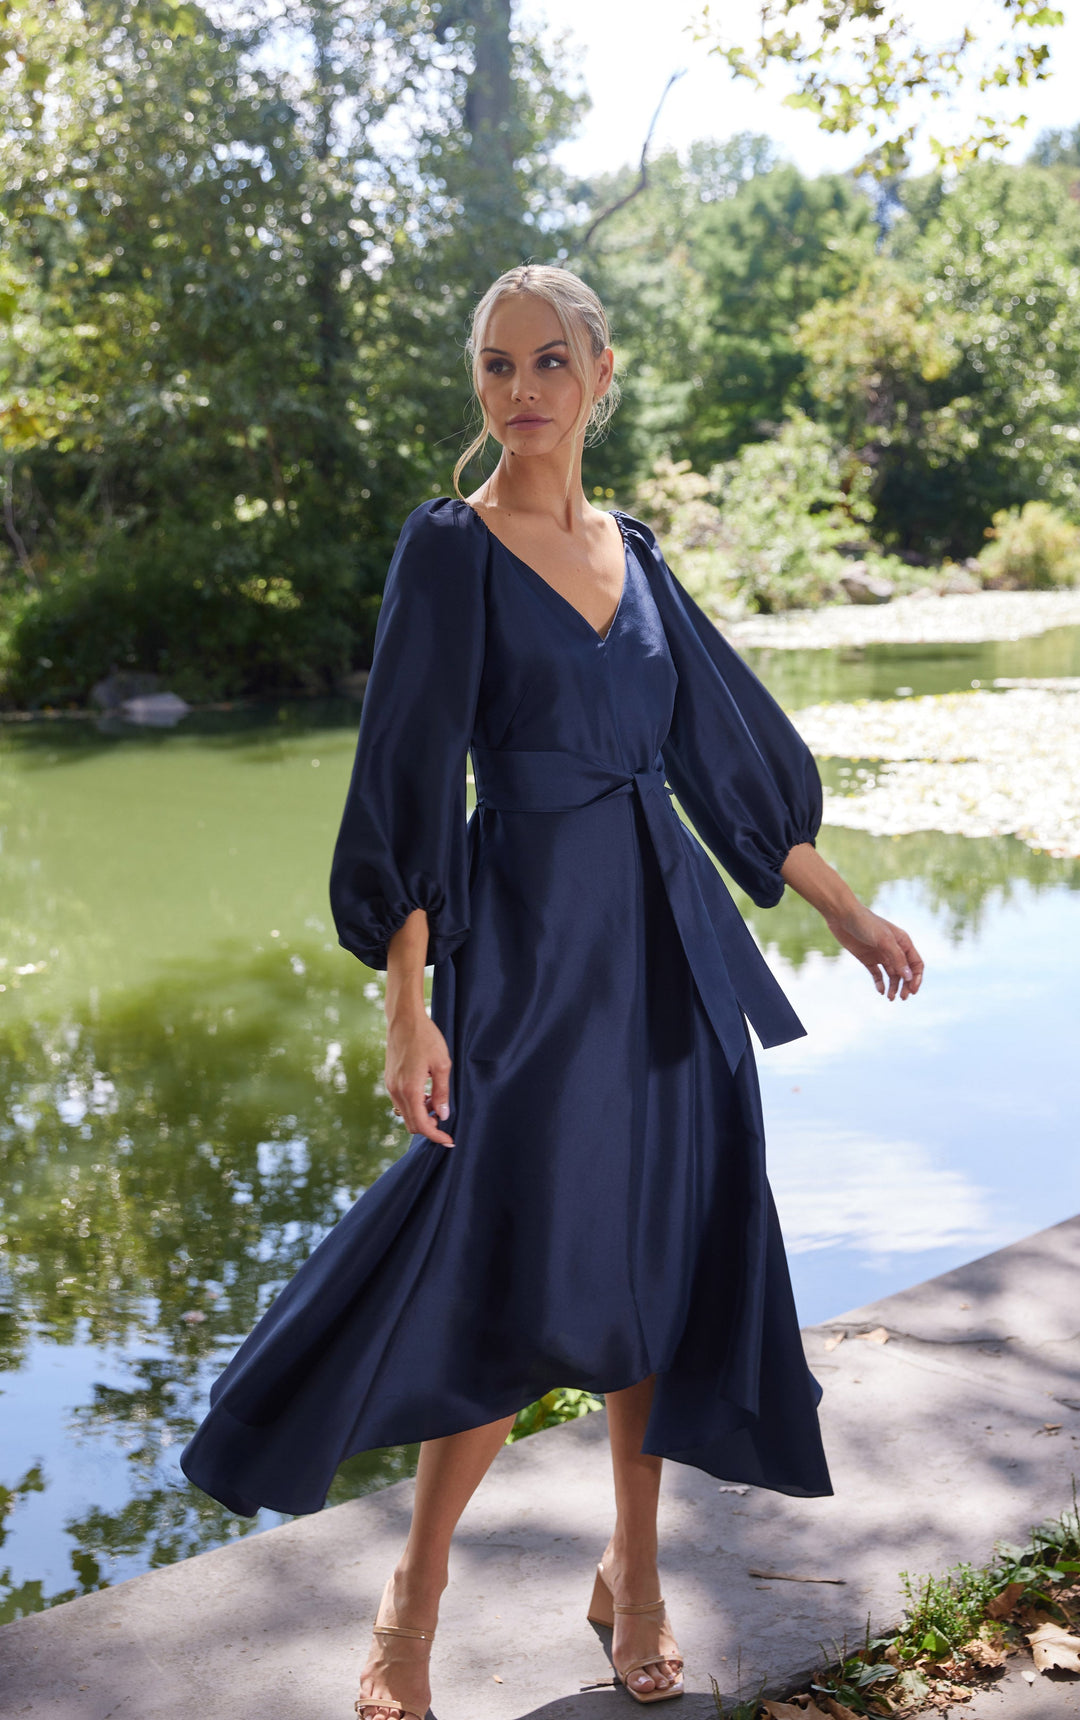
pixel 416 1052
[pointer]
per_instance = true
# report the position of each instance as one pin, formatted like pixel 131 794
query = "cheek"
pixel 567 392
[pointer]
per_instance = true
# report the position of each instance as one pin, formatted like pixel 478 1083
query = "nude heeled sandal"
pixel 363 1703
pixel 602 1610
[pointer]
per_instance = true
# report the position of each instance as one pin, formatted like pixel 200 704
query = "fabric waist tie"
pixel 727 967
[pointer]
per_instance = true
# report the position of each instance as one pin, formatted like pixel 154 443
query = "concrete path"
pixel 938 1445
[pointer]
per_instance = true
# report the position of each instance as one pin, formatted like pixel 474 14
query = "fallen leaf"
pixel 1002 1605
pixel 1028 1677
pixel 782 1710
pixel 786 1577
pixel 837 1338
pixel 837 1709
pixel 879 1335
pixel 495 1679
pixel 986 1654
pixel 1052 1645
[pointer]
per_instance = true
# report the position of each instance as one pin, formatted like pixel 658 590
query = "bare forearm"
pixel 406 956
pixel 817 881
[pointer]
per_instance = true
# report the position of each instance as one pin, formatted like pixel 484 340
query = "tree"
pixel 764 257
pixel 880 369
pixel 860 63
pixel 233 289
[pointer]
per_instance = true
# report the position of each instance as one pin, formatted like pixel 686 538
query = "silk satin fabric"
pixel 604 1213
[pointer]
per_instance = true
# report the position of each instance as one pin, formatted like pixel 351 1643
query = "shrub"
pixel 763 527
pixel 238 611
pixel 1031 548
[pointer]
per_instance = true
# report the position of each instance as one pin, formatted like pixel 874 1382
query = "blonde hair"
pixel 584 324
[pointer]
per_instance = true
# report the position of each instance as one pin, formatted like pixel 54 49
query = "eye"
pixel 551 361
pixel 495 366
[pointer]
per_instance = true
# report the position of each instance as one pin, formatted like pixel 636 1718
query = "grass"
pixel 956 1630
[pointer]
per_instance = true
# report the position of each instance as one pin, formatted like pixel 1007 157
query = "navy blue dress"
pixel 604 1213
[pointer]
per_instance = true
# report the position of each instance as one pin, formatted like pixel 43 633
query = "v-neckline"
pixel 600 638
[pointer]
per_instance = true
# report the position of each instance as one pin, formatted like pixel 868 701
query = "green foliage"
pixel 223 298
pixel 857 65
pixel 1032 548
pixel 765 256
pixel 238 610
pixel 944 1617
pixel 942 1613
pixel 775 514
pixel 563 1404
pixel 234 285
pixel 997 256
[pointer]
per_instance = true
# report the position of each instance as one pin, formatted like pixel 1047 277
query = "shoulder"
pixel 441 545
pixel 645 534
pixel 442 521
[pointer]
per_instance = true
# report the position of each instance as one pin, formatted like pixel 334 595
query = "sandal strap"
pixel 363 1702
pixel 624 1672
pixel 648 1606
pixel 403 1630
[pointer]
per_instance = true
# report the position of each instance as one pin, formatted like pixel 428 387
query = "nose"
pixel 523 389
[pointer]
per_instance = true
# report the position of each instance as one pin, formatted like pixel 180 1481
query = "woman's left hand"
pixel 885 950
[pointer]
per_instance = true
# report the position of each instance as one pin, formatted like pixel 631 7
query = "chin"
pixel 524 443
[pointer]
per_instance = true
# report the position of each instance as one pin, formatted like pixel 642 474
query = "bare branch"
pixel 643 170
pixel 9 522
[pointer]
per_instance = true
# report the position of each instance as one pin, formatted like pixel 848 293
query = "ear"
pixel 605 370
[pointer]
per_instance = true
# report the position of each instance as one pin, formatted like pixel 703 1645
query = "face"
pixel 523 376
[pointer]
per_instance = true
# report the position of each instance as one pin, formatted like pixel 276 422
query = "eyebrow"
pixel 504 354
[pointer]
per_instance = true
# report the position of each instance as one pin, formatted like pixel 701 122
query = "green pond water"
pixel 190 1084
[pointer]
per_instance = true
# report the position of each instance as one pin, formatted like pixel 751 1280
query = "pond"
pixel 191 1089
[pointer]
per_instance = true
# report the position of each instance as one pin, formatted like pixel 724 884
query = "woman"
pixel 584 1200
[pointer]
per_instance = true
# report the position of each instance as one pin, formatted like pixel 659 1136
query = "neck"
pixel 537 485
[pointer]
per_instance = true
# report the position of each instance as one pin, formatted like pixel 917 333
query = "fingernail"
pixel 443 1111
pixel 907 973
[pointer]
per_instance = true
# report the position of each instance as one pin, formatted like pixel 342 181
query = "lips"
pixel 526 418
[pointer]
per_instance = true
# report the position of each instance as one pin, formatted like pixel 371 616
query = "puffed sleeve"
pixel 403 841
pixel 741 770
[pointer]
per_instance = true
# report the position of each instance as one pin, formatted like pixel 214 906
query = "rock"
pixel 121 685
pixel 155 710
pixel 960 581
pixel 862 586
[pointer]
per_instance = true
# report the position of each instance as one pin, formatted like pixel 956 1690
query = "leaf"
pixel 1053 1646
pixel 782 1710
pixel 911 1686
pixel 837 1709
pixel 837 1338
pixel 934 1643
pixel 1002 1605
pixel 879 1335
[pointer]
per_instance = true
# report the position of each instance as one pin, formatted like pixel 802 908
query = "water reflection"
pixel 800 678
pixel 169 1159
pixel 960 881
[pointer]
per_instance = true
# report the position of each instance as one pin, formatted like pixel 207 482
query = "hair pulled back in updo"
pixel 584 324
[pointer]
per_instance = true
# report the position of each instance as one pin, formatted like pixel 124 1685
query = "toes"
pixel 642 1681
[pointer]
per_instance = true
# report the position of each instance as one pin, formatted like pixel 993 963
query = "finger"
pixel 417 1120
pixel 874 971
pixel 438 1103
pixel 912 961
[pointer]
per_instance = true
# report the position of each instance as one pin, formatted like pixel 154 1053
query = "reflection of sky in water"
pixel 907 1138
